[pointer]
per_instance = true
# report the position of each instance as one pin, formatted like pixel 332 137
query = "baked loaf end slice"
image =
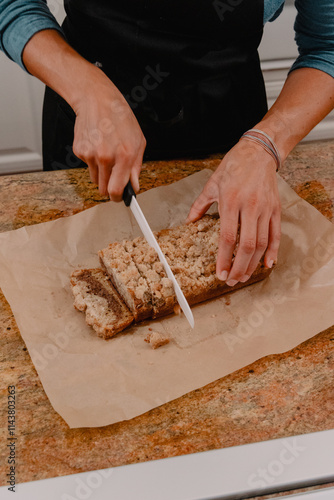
pixel 95 295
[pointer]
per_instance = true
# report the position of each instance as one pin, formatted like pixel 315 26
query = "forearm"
pixel 306 98
pixel 53 61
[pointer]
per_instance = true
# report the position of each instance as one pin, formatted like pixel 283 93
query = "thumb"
pixel 199 208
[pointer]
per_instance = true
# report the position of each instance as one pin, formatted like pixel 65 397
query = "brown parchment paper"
pixel 92 382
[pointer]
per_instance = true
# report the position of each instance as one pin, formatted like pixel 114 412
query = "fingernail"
pixel 245 278
pixel 231 282
pixel 223 275
pixel 270 263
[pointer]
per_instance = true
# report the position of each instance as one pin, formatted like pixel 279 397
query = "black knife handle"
pixel 128 193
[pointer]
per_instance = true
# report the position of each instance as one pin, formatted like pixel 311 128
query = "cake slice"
pixel 95 295
pixel 129 282
pixel 151 269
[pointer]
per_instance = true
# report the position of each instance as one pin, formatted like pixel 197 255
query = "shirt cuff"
pixel 316 62
pixel 21 31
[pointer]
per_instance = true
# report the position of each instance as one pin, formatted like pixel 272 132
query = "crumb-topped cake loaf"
pixel 191 250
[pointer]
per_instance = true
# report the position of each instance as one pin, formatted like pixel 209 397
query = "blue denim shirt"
pixel 314 28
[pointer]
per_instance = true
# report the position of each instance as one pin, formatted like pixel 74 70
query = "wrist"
pixel 96 88
pixel 265 142
pixel 274 125
pixel 254 155
pixel 90 85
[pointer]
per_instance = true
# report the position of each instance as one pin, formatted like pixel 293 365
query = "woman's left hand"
pixel 245 187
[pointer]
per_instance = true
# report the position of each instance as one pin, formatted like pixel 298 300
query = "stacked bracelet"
pixel 265 142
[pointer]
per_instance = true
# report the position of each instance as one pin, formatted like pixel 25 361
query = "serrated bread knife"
pixel 129 198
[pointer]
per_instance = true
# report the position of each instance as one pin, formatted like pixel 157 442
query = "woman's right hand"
pixel 107 136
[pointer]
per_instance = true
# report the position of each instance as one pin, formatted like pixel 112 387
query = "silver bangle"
pixel 271 143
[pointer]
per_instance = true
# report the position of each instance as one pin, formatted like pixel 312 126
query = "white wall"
pixel 21 95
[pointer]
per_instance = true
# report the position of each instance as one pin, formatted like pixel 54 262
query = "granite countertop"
pixel 202 420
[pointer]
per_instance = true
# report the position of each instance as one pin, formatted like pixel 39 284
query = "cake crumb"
pixel 177 309
pixel 156 339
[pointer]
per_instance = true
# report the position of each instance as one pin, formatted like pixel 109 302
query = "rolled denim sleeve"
pixel 19 21
pixel 314 27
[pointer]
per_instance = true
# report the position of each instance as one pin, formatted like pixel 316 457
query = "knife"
pixel 129 198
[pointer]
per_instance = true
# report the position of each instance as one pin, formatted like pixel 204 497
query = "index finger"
pixel 227 241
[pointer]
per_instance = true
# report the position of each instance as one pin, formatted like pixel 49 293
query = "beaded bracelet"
pixel 267 144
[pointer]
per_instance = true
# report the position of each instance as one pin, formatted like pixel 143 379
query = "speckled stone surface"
pixel 277 396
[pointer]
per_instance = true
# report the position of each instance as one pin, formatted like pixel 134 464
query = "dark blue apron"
pixel 189 69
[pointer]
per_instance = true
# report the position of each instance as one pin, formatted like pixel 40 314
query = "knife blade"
pixel 129 198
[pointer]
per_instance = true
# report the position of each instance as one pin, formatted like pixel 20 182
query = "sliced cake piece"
pixel 151 269
pixel 95 295
pixel 127 279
